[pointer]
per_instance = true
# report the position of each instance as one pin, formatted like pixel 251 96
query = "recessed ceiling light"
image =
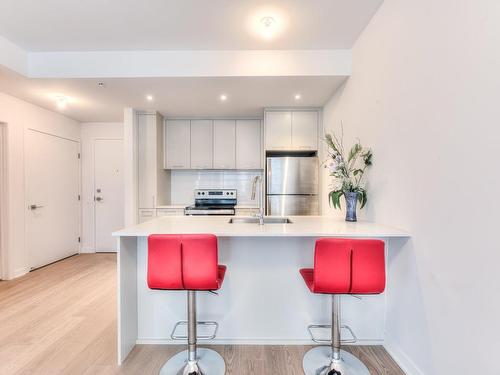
pixel 268 26
pixel 61 101
pixel 297 96
pixel 223 97
pixel 149 98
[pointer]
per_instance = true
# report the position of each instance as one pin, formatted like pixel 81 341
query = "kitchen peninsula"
pixel 263 299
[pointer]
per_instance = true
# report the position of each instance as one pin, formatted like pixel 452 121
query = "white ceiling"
pixel 76 25
pixel 173 97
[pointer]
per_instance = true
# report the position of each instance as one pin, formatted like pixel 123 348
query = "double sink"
pixel 255 220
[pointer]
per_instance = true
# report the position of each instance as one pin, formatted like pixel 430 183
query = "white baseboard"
pixel 402 359
pixel 153 341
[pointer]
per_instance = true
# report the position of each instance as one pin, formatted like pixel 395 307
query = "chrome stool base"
pixel 318 361
pixel 209 362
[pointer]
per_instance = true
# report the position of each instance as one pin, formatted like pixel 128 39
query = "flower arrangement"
pixel 347 170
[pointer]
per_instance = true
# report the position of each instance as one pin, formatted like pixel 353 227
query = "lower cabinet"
pixel 146 215
pixel 150 214
pixel 169 212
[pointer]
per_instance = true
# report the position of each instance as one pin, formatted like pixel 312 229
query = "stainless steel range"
pixel 213 202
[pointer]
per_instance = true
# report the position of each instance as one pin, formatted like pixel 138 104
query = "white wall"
pixel 20 116
pixel 424 95
pixel 183 184
pixel 90 131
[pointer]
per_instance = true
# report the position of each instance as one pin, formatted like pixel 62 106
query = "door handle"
pixel 34 206
pixel 99 199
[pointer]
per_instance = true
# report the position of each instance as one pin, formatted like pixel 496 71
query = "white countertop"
pixel 301 226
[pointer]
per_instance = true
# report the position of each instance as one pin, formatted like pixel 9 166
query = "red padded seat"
pixel 347 266
pixel 184 262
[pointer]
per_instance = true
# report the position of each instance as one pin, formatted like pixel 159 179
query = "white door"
pixel 177 144
pixel 224 144
pixel 52 201
pixel 108 192
pixel 305 130
pixel 248 144
pixel 201 144
pixel 278 130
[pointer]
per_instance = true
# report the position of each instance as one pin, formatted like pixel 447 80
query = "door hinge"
pixel 79 239
pixel 78 155
pixel 78 196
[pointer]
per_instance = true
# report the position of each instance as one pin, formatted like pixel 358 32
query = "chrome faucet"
pixel 261 201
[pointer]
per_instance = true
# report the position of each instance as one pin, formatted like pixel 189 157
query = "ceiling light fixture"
pixel 223 97
pixel 61 101
pixel 267 23
pixel 297 96
pixel 149 98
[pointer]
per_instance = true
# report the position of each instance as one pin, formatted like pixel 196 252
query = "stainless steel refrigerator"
pixel 292 185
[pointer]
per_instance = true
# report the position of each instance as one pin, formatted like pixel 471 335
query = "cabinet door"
pixel 248 144
pixel 278 130
pixel 224 144
pixel 146 139
pixel 201 144
pixel 305 130
pixel 146 215
pixel 177 144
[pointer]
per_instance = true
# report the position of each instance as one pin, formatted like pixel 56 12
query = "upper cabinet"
pixel 305 130
pixel 278 130
pixel 201 144
pixel 224 144
pixel 213 144
pixel 248 144
pixel 177 144
pixel 291 130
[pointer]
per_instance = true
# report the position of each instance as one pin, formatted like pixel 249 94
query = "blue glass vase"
pixel 351 201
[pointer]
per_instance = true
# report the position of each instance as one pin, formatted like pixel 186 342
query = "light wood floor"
pixel 61 320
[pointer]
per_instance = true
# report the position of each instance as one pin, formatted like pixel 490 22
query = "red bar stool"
pixel 342 266
pixel 187 262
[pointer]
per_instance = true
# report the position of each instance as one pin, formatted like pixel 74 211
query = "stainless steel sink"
pixel 255 220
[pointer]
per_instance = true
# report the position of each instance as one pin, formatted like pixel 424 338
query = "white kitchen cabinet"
pixel 248 144
pixel 291 130
pixel 201 144
pixel 278 135
pixel 177 144
pixel 146 215
pixel 169 212
pixel 304 130
pixel 224 148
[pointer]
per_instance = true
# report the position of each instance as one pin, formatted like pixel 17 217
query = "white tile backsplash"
pixel 183 184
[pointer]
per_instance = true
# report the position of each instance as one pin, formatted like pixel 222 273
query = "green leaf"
pixel 355 149
pixel 356 171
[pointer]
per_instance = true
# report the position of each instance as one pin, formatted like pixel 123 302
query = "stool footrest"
pixel 312 327
pixel 211 324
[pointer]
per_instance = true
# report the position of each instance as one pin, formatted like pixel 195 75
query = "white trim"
pixel 401 358
pixel 3 201
pixel 243 341
pixel 13 57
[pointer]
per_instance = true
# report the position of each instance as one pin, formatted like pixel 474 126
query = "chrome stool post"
pixel 332 360
pixel 194 360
